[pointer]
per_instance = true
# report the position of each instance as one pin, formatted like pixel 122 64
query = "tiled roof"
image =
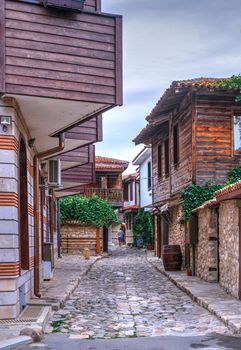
pixel 131 207
pixel 168 101
pixel 130 176
pixel 106 160
pixel 206 204
pixel 228 189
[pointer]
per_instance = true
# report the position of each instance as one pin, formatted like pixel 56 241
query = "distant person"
pixel 120 236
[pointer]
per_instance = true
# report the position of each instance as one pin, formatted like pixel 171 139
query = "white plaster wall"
pixel 145 193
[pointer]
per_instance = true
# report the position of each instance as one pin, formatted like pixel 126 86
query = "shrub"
pixel 93 211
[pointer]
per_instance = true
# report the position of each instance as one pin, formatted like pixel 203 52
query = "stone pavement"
pixel 69 270
pixel 125 296
pixel 209 295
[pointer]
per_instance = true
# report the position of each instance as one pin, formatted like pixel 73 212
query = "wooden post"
pixel 98 240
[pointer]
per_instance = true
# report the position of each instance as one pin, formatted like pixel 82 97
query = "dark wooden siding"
pixel 214 138
pixel 161 185
pixel 181 173
pixel 62 55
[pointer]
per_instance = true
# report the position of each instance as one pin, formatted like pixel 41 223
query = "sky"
pixel 166 40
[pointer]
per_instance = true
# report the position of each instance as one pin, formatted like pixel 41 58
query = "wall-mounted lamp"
pixel 31 142
pixel 5 121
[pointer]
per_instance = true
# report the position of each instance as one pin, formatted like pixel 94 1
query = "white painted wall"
pixel 142 161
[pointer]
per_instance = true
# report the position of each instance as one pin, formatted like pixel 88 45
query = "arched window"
pixel 23 208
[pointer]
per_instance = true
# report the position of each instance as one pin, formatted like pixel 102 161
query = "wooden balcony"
pixel 61 67
pixel 112 195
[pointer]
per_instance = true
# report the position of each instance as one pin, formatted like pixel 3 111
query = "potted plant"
pixel 149 246
pixel 189 270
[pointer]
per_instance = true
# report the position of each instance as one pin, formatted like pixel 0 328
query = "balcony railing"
pixel 111 195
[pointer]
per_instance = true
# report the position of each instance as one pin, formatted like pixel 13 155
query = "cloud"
pixel 166 40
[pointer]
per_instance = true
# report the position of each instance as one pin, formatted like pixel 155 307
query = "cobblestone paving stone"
pixel 124 296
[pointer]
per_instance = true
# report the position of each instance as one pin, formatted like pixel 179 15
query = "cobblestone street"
pixel 124 296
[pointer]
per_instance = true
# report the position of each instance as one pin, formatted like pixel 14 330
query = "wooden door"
pixel 105 239
pixel 158 252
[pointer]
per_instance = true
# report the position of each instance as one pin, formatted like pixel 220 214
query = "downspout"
pixel 36 159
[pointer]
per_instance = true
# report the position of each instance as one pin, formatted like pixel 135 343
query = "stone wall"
pixel 177 231
pixel 229 246
pixel 76 236
pixel 207 249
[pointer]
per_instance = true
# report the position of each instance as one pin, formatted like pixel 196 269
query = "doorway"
pixel 23 208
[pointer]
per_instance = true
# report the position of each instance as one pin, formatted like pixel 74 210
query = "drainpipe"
pixel 36 159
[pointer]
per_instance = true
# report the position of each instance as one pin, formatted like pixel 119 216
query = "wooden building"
pixel 60 69
pixel 108 186
pixel 131 186
pixel 195 136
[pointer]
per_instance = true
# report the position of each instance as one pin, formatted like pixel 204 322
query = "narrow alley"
pixel 124 296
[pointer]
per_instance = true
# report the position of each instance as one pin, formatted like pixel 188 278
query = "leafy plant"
pixel 193 196
pixel 143 227
pixel 233 176
pixel 94 210
pixel 231 83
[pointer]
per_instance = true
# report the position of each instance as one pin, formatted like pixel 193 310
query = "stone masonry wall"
pixel 177 231
pixel 76 236
pixel 229 246
pixel 206 249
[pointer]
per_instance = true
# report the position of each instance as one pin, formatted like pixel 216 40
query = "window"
pixel 159 160
pixel 166 151
pixel 131 191
pixel 126 192
pixel 175 145
pixel 149 175
pixel 237 133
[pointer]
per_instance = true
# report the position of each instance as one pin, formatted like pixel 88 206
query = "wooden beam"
pixel 98 250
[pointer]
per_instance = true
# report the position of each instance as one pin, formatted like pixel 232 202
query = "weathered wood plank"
pixel 60 40
pixel 56 48
pixel 59 67
pixel 2 47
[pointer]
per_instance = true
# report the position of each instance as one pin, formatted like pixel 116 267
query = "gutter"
pixel 36 159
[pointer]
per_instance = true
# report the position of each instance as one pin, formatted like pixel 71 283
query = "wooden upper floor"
pixel 48 52
pixel 195 135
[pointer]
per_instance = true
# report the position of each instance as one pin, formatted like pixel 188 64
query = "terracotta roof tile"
pixel 131 207
pixel 106 160
pixel 206 204
pixel 228 189
pixel 170 100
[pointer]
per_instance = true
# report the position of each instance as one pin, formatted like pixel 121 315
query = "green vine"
pixel 193 196
pixel 93 211
pixel 143 227
pixel 233 176
pixel 231 83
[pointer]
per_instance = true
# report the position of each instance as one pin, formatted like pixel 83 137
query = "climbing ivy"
pixel 143 227
pixel 94 210
pixel 233 176
pixel 193 196
pixel 233 82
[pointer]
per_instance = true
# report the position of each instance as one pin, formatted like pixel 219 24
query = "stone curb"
pixel 232 322
pixel 12 343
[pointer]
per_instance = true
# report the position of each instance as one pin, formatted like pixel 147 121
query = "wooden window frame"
pixel 149 178
pixel 167 157
pixel 175 146
pixel 159 161
pixel 131 191
pixel 235 152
